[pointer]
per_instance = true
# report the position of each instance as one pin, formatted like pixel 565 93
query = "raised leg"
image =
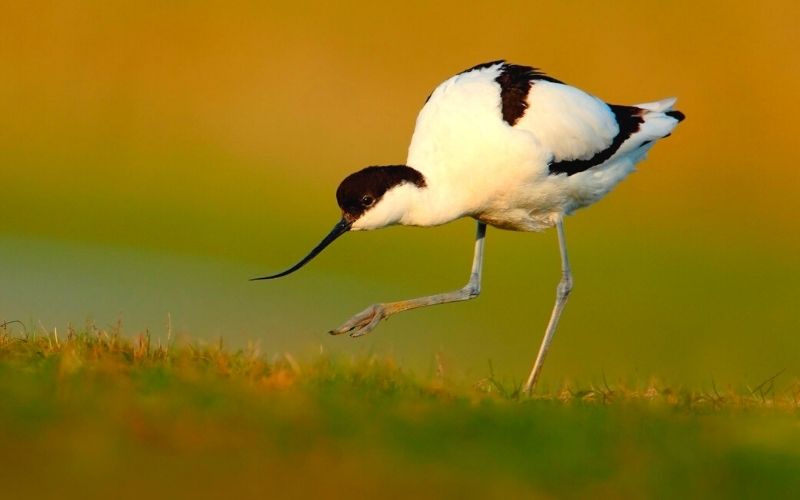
pixel 365 321
pixel 562 293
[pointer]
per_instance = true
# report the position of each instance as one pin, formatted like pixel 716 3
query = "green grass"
pixel 92 414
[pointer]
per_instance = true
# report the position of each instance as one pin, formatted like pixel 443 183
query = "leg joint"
pixel 472 290
pixel 565 285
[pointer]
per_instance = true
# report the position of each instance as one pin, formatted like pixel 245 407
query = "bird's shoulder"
pixel 487 101
pixel 523 97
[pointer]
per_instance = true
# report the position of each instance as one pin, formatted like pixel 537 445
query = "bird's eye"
pixel 367 200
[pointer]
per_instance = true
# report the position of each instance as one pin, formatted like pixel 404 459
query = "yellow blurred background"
pixel 155 155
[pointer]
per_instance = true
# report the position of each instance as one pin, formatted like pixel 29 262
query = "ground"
pixel 92 414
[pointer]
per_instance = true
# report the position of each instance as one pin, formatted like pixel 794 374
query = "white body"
pixel 475 164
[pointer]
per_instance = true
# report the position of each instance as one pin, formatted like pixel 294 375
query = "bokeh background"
pixel 156 155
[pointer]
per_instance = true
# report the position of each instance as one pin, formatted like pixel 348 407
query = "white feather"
pixel 661 106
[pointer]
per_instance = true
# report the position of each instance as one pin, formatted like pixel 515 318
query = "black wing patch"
pixel 629 118
pixel 515 83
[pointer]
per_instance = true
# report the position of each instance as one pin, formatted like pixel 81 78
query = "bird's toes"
pixel 345 328
pixel 364 326
pixel 374 316
pixel 362 323
pixel 355 324
pixel 361 330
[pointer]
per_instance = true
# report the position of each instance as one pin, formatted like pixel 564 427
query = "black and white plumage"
pixel 510 147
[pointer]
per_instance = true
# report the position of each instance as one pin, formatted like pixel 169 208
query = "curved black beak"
pixel 339 229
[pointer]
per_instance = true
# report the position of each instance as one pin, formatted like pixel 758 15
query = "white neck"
pixel 409 205
pixel 427 206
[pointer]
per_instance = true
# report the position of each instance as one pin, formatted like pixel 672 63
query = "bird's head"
pixel 371 198
pixel 374 197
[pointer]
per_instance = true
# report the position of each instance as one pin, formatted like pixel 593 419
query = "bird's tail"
pixel 657 121
pixel 664 106
pixel 659 118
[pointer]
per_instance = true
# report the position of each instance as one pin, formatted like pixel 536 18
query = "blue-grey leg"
pixel 562 293
pixel 365 321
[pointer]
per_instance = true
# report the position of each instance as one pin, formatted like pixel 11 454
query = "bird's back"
pixel 514 146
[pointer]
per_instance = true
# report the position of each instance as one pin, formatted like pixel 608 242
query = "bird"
pixel 510 147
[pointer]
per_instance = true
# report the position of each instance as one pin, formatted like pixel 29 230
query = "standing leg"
pixel 368 319
pixel 562 293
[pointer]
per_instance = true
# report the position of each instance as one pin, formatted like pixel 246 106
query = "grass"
pixel 92 414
